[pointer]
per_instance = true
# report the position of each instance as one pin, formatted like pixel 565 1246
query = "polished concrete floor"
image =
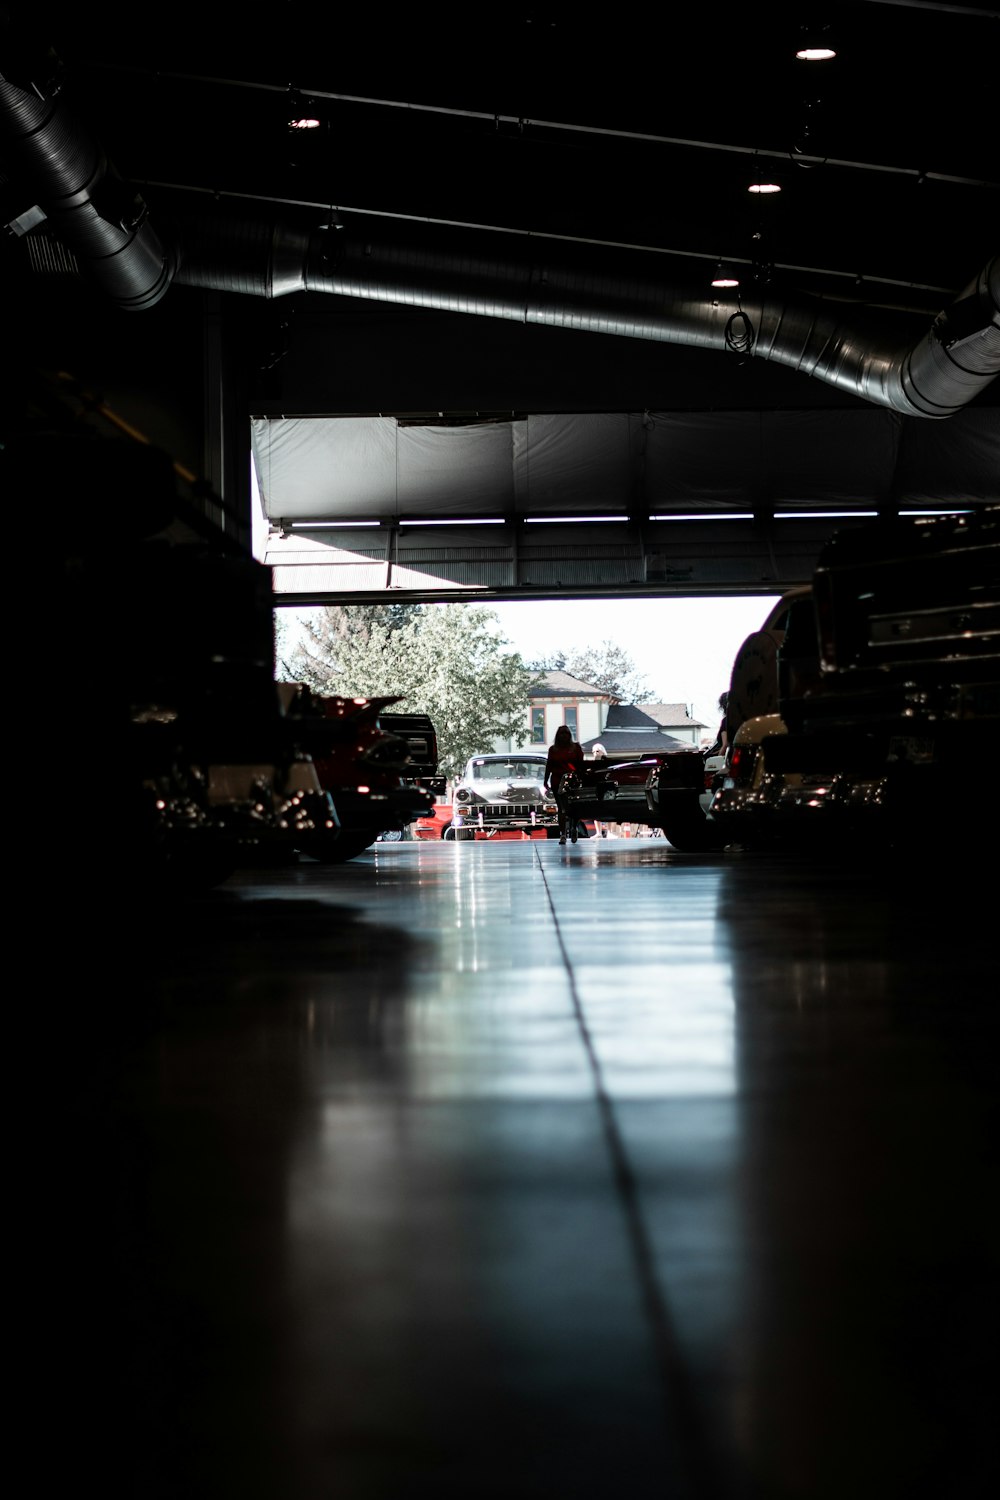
pixel 491 1170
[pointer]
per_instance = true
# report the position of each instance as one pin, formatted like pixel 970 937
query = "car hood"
pixel 490 788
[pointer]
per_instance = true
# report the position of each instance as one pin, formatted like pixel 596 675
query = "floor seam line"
pixel 684 1419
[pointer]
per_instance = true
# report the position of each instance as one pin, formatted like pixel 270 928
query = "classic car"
pixel 215 780
pixel 817 795
pixel 753 682
pixel 364 768
pixel 887 683
pixel 670 791
pixel 504 794
pixel 435 824
pixel 420 737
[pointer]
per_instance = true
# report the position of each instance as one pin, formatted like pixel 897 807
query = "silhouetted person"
pixel 722 735
pixel 564 756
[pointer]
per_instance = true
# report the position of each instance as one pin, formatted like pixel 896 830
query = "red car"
pixel 364 768
pixel 439 821
pixel 434 824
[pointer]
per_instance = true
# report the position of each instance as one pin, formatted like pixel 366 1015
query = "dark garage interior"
pixel 516 1168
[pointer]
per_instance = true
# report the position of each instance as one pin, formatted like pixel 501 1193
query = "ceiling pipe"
pixel 70 186
pixel 955 359
pixel 105 227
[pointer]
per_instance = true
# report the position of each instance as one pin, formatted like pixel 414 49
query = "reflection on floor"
pixel 497 1170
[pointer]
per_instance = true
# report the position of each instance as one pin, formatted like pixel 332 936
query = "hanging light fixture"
pixel 815 44
pixel 759 184
pixel 724 276
pixel 301 112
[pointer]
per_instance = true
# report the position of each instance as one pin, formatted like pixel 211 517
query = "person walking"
pixel 721 737
pixel 565 757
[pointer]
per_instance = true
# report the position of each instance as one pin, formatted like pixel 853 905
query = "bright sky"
pixel 683 648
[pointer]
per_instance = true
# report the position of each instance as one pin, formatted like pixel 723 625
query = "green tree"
pixel 450 661
pixel 327 634
pixel 612 670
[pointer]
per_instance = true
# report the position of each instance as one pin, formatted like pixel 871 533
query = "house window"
pixel 570 721
pixel 538 726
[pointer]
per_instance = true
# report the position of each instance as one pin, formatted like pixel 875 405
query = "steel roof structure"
pixel 449 278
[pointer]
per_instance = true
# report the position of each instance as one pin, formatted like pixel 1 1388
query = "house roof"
pixel 651 716
pixel 630 716
pixel 672 714
pixel 634 742
pixel 562 685
pixel 634 731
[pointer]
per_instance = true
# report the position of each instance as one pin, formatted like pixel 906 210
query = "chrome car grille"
pixel 505 809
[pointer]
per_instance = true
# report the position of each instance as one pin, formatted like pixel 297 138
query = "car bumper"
pixel 245 829
pixel 785 805
pixel 474 822
pixel 375 810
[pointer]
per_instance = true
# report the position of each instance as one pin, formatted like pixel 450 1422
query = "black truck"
pixel 420 737
pixel 420 773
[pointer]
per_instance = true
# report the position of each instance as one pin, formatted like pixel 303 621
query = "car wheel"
pixel 691 832
pixel 391 836
pixel 335 850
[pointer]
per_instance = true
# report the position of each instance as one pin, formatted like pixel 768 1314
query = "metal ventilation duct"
pixel 107 230
pixel 96 216
pixel 955 359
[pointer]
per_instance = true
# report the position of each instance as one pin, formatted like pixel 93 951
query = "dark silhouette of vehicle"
pixel 366 770
pixel 886 686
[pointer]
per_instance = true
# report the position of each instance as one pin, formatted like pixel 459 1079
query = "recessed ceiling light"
pixel 815 54
pixel 764 187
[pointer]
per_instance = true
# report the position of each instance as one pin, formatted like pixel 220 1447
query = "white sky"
pixel 683 648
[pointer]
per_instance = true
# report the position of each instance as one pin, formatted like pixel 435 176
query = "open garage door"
pixel 591 503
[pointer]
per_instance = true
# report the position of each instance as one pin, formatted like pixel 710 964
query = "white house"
pixel 560 699
pixel 632 731
pixel 592 714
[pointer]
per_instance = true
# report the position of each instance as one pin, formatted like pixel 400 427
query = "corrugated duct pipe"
pixel 90 210
pixel 956 358
pixel 108 232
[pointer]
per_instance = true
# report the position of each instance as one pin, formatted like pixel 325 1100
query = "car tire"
pixel 337 849
pixel 689 831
